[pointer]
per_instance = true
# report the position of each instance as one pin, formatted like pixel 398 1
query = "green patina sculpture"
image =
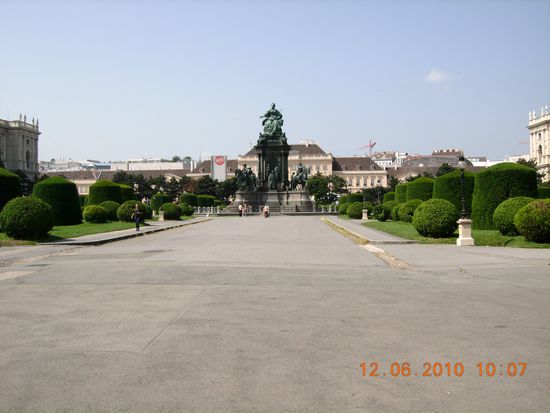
pixel 246 179
pixel 273 125
pixel 299 178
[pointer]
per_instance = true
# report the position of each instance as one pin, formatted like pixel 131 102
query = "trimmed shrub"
pixel 186 210
pixel 503 217
pixel 544 192
pixel 401 193
pixel 395 212
pixel 436 218
pixel 343 199
pixel 26 218
pixel 420 188
pixel 171 211
pixel 189 199
pixel 390 205
pixel 368 206
pixel 125 210
pixel 449 187
pixel 158 200
pixel 381 212
pixel 355 197
pixel 110 207
pixel 11 186
pixel 406 211
pixel 62 196
pixel 389 196
pixel 104 190
pixel 148 212
pixel 95 214
pixel 355 210
pixel 205 200
pixel 496 184
pixel 343 209
pixel 83 200
pixel 533 221
pixel 127 193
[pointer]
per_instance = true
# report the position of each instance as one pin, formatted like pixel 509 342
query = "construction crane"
pixel 371 145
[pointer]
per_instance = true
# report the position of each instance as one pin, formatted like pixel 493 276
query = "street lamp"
pixel 378 189
pixel 464 223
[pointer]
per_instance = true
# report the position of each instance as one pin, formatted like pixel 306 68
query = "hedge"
pixel 395 212
pixel 110 208
pixel 421 188
pixel 171 211
pixel 343 208
pixel 11 186
pixel 148 212
pixel 381 212
pixel 83 200
pixel 355 210
pixel 436 218
pixel 389 196
pixel 127 193
pixel 544 192
pixel 368 206
pixel 401 193
pixel 496 184
pixel 189 199
pixel 26 218
pixel 533 221
pixel 503 217
pixel 104 190
pixel 449 187
pixel 355 197
pixel 343 199
pixel 95 214
pixel 62 196
pixel 205 200
pixel 186 209
pixel 126 209
pixel 406 210
pixel 391 205
pixel 158 200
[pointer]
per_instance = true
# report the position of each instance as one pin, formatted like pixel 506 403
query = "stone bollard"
pixel 161 215
pixel 218 211
pixel 329 209
pixel 464 233
pixel 322 209
pixel 365 215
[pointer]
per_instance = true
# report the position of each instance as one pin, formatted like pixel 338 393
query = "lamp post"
pixel 464 223
pixel 378 189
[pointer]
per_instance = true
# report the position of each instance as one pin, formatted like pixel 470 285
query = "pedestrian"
pixel 266 211
pixel 136 216
pixel 245 209
pixel 240 210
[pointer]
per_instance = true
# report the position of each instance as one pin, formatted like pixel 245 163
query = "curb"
pixel 373 242
pixel 121 237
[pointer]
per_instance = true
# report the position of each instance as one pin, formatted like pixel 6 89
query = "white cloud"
pixel 437 76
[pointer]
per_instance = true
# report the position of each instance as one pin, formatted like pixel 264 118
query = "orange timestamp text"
pixel 442 369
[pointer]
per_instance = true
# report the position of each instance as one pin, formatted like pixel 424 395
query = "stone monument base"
pixel 464 233
pixel 278 201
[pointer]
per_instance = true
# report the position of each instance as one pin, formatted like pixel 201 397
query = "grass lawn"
pixel 72 231
pixel 6 241
pixel 490 238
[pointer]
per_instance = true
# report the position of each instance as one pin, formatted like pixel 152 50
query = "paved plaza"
pixel 271 315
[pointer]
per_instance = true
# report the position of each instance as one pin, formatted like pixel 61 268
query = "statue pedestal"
pixel 365 215
pixel 464 233
pixel 278 201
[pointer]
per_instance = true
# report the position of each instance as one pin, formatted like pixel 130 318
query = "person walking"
pixel 240 210
pixel 136 216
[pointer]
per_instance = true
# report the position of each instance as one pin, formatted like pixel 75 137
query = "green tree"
pixel 445 168
pixel 176 158
pixel 533 165
pixel 392 182
pixel 206 186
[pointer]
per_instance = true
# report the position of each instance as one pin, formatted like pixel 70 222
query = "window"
pixel 28 141
pixel 28 160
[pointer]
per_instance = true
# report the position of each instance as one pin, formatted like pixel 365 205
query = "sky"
pixel 119 79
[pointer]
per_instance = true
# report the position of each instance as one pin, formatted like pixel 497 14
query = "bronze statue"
pixel 299 178
pixel 246 179
pixel 272 123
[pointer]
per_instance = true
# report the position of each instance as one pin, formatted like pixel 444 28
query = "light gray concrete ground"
pixel 271 314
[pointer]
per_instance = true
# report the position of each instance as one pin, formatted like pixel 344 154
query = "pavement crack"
pixel 175 318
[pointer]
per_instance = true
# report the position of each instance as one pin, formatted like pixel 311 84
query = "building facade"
pixel 539 141
pixel 19 145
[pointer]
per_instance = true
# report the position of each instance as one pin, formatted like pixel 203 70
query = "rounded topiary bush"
pixel 343 208
pixel 436 218
pixel 126 209
pixel 544 192
pixel 95 214
pixel 389 196
pixel 148 212
pixel 401 193
pixel 126 193
pixel 159 200
pixel 104 190
pixel 189 199
pixel 10 186
pixel 62 196
pixel 496 184
pixel 186 209
pixel 449 187
pixel 171 211
pixel 395 212
pixel 406 211
pixel 503 217
pixel 355 210
pixel 110 207
pixel 533 221
pixel 343 199
pixel 390 205
pixel 26 218
pixel 205 200
pixel 421 188
pixel 381 212
pixel 368 206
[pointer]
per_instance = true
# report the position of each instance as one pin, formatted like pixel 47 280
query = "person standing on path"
pixel 240 210
pixel 136 216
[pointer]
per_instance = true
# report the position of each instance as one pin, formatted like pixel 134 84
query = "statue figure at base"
pixel 246 179
pixel 299 178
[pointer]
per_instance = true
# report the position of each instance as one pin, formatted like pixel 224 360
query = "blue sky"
pixel 119 79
